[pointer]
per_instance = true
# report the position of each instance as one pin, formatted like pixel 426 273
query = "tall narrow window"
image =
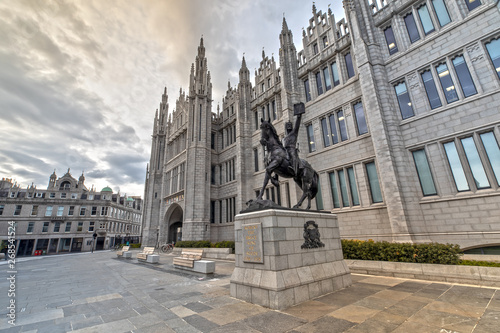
pixel 308 91
pixel 335 74
pixel 425 19
pixel 464 77
pixel 491 147
pixel 349 65
pixel 60 210
pixel 431 90
pixel 342 125
pixel 45 227
pixel 352 186
pixel 360 118
pixel 324 128
pixel 391 41
pixel 472 4
pixel 411 27
pixel 424 173
pixel 256 159
pixel 319 198
pixel 48 211
pixel 319 84
pixel 441 12
pixel 34 210
pixel 343 189
pixel 256 120
pixel 17 211
pixel 31 225
pixel 456 167
pixel 57 226
pixel 326 74
pixel 493 48
pixel 376 193
pixel 315 48
pixel 273 104
pixel 333 129
pixel 404 100
pixel 475 163
pixel 447 83
pixel 334 188
pixel 68 227
pixel 310 138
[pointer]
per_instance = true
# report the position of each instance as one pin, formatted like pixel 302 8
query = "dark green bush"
pixel 479 263
pixel 431 253
pixel 200 244
pixel 224 244
pixel 135 246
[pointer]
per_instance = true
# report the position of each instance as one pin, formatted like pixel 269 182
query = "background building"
pixel 65 216
pixel 402 124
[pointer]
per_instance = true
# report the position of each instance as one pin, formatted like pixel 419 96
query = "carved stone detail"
pixel 311 236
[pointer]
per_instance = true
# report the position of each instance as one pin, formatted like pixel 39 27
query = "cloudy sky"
pixel 80 80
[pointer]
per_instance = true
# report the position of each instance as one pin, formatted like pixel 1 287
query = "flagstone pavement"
pixel 97 292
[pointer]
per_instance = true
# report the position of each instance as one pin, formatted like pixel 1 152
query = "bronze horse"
pixel 278 161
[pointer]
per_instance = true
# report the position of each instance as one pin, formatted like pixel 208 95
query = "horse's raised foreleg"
pixel 266 180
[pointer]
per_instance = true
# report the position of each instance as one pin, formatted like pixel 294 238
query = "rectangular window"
pixel 334 188
pixel 335 74
pixel 34 210
pixel 57 226
pixel 80 226
pixel 472 4
pixel 456 167
pixel 411 27
pixel 74 196
pixel 475 163
pixel 376 193
pixel 431 90
pixel 353 187
pixel 342 125
pixel 324 128
pixel 52 195
pixel 491 147
pixel 333 129
pixel 68 227
pixel 31 225
pixel 273 106
pixel 464 77
pixel 60 210
pixel 1 209
pixel 17 211
pixel 315 48
pixel 447 83
pixel 45 227
pixel 349 65
pixel 319 84
pixel 343 189
pixel 91 226
pixel 83 210
pixel 256 159
pixel 325 41
pixel 63 195
pixel 256 120
pixel 441 12
pixel 48 211
pixel 212 140
pixel 310 138
pixel 493 48
pixel 319 198
pixel 326 74
pixel 360 118
pixel 71 210
pixel 308 91
pixel 404 100
pixel 424 173
pixel 391 41
pixel 425 19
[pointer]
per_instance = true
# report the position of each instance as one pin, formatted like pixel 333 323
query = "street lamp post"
pixel 93 241
pixel 158 238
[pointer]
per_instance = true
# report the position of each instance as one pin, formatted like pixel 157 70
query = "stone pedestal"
pixel 275 269
pixel 153 258
pixel 127 255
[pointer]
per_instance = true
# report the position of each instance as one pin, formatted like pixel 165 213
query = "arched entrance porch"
pixel 173 223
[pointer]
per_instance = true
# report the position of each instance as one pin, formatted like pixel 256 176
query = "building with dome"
pixel 67 216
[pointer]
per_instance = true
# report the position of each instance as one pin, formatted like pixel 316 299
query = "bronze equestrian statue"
pixel 283 160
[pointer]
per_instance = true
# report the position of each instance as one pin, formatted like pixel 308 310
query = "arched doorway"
pixel 173 220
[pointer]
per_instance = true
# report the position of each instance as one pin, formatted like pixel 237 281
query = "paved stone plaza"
pixel 99 293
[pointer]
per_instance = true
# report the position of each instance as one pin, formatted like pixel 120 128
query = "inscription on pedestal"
pixel 252 243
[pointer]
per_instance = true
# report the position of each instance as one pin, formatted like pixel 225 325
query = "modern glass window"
pixel 425 19
pixel 349 65
pixel 256 159
pixel 411 27
pixel 424 173
pixel 31 225
pixel 68 227
pixel 57 226
pixel 493 48
pixel 310 138
pixel 352 186
pixel 308 90
pixel 60 210
pixel 326 74
pixel 431 90
pixel 472 4
pixel 48 211
pixel 324 129
pixel 447 83
pixel 456 167
pixel 334 188
pixel 333 129
pixel 391 41
pixel 475 164
pixel 342 125
pixel 360 118
pixel 441 12
pixel 376 193
pixel 343 189
pixel 491 147
pixel 404 100
pixel 335 74
pixel 45 227
pixel 464 76
pixel 17 211
pixel 319 83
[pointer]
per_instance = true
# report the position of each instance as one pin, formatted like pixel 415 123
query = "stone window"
pixel 57 226
pixel 31 225
pixel 492 152
pixel 441 12
pixel 342 125
pixel 456 167
pixel 60 210
pixel 424 172
pixel 430 89
pixel 63 195
pixel 404 100
pixel 91 226
pixel 493 48
pixel 45 227
pixel 52 195
pixel 182 168
pixel 315 48
pixel 71 210
pixel 411 28
pixel 68 227
pixel 464 77
pixel 375 191
pixel 93 212
pixel 74 196
pixel 310 138
pixel 425 19
pixel 390 40
pixel 349 65
pixel 273 106
pixel 307 90
pixel 83 210
pixel 333 128
pixel 447 83
pixel 328 83
pixel 17 211
pixel 326 135
pixel 256 120
pixel 472 4
pixel 48 211
pixel 256 159
pixel 360 118
pixel 325 41
pixel 344 188
pixel 80 226
pixel 34 210
pixel 335 74
pixel 319 83
pixel 1 209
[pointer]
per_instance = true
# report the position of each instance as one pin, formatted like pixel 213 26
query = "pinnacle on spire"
pixel 165 91
pixel 284 26
pixel 263 53
pixel 243 62
pixel 314 8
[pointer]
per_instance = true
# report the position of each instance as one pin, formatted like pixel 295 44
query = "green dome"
pixel 107 189
pixel 130 199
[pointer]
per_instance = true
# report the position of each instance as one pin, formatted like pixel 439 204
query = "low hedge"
pixel 199 244
pixel 479 263
pixel 430 253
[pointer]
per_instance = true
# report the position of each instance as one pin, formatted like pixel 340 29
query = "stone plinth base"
pixel 127 255
pixel 288 274
pixel 153 258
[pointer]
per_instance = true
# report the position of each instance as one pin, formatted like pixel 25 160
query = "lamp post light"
pixel 93 241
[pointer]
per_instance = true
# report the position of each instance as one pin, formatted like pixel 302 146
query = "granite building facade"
pixel 402 124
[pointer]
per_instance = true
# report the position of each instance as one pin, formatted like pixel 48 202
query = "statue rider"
pixel 290 140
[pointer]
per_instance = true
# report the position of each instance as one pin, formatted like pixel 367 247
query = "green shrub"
pixel 431 253
pixel 197 244
pixel 135 246
pixel 479 263
pixel 224 245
